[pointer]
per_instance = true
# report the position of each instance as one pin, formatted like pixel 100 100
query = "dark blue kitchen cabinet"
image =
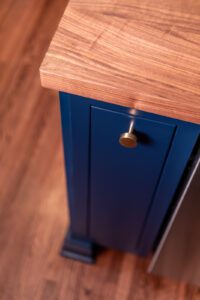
pixel 118 196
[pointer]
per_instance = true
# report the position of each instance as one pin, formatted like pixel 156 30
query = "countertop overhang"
pixel 135 53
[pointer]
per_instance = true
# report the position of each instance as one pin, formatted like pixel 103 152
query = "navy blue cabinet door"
pixel 119 197
pixel 123 180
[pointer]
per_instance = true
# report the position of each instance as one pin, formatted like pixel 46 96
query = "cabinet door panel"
pixel 123 180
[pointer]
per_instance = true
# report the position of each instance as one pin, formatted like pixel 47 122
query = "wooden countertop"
pixel 143 54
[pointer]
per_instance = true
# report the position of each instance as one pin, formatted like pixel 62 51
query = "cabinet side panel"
pixel 75 118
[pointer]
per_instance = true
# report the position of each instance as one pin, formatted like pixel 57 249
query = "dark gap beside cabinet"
pixel 182 183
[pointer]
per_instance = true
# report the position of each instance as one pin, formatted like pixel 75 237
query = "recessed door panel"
pixel 123 180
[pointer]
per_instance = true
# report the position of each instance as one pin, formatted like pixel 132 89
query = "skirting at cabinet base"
pixel 78 249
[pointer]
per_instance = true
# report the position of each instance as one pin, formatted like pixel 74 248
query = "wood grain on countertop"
pixel 136 53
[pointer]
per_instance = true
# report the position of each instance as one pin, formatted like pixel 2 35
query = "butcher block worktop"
pixel 135 53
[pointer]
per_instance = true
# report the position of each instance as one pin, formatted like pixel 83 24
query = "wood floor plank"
pixel 33 213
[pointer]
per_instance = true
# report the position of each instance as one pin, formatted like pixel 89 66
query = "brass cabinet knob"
pixel 128 139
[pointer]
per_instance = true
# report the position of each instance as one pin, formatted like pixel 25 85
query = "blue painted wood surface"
pixel 119 197
pixel 123 180
pixel 76 130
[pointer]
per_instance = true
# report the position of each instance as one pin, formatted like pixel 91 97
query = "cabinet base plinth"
pixel 78 249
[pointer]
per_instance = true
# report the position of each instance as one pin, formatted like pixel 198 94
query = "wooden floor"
pixel 32 185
